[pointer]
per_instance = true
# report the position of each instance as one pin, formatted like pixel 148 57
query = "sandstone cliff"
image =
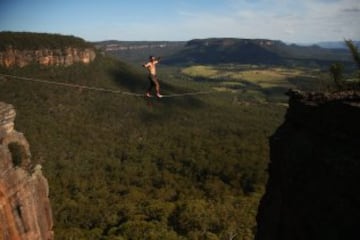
pixel 25 211
pixel 312 191
pixel 13 57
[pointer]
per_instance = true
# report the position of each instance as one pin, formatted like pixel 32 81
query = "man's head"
pixel 152 58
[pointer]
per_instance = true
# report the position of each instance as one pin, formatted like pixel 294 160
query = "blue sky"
pixel 299 21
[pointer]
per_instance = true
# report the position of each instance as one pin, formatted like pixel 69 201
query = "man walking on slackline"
pixel 154 81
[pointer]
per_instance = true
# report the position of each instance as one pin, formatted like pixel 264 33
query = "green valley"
pixel 124 167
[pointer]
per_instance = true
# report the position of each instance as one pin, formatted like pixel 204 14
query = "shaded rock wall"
pixel 25 211
pixel 314 171
pixel 59 57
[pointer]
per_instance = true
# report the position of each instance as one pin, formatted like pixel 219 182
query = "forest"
pixel 124 167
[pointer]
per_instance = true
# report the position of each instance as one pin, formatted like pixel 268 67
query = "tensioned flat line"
pixel 108 90
pixel 187 94
pixel 63 84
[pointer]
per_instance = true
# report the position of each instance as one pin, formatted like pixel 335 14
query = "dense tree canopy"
pixel 121 167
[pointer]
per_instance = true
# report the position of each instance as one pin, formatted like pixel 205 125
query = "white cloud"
pixel 287 20
pixel 305 21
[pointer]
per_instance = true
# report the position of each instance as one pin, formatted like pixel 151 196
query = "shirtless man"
pixel 154 81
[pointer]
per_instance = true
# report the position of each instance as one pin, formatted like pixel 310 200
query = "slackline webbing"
pixel 108 90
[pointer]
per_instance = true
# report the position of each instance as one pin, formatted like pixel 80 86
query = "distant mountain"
pixel 254 51
pixel 335 44
pixel 225 50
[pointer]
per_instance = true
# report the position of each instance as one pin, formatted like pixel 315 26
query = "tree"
pixel 337 70
pixel 354 52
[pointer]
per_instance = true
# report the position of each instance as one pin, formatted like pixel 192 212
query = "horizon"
pixel 237 38
pixel 305 22
pixel 356 41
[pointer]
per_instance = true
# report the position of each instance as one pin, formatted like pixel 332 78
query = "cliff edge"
pixel 25 211
pixel 19 49
pixel 314 170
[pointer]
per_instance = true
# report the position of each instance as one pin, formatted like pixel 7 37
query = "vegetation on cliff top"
pixel 34 41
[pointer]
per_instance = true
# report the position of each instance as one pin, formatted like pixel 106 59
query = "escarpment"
pixel 314 171
pixel 11 57
pixel 25 211
pixel 19 49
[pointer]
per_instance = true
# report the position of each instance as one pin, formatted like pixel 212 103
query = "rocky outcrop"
pixel 25 211
pixel 60 57
pixel 314 171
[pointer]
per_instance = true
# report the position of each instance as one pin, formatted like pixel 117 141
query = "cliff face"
pixel 67 56
pixel 314 171
pixel 25 211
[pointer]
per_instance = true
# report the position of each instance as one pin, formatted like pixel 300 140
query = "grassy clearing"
pixel 201 71
pixel 270 82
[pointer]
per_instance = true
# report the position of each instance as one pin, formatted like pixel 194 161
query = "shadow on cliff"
pixel 127 78
pixel 313 167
